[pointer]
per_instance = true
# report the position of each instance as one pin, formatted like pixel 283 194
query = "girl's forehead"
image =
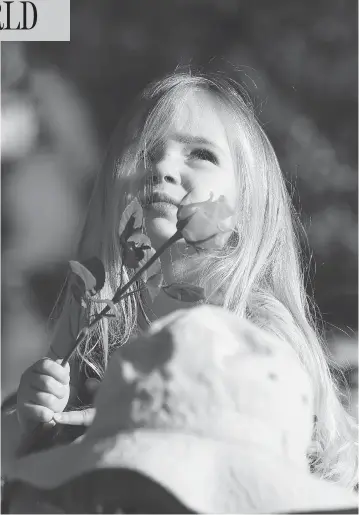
pixel 199 114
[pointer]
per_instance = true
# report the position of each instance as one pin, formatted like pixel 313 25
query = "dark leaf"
pixel 77 288
pixel 184 292
pixel 137 250
pixel 140 239
pixel 131 220
pixel 132 255
pixel 85 275
pixel 95 266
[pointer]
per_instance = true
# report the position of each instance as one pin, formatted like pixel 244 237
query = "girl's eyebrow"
pixel 189 139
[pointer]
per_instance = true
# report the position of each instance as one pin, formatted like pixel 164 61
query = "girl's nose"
pixel 166 170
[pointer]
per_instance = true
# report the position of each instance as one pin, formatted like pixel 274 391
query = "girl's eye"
pixel 204 155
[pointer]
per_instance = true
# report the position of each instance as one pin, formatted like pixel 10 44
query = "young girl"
pixel 194 134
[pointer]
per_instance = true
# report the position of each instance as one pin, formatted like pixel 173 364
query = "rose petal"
pixel 226 225
pixel 206 223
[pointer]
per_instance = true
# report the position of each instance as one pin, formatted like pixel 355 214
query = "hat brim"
pixel 119 490
pixel 207 475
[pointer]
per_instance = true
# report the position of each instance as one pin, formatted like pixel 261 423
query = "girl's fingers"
pixel 47 400
pixel 76 418
pixel 38 413
pixel 48 384
pixel 48 367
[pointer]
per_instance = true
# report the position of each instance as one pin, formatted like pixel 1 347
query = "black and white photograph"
pixel 179 256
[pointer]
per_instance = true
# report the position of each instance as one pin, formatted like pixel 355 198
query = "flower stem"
pixel 120 292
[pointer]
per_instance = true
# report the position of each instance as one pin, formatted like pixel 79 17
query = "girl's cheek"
pixel 219 181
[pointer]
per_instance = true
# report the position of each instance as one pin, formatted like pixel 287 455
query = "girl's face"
pixel 192 159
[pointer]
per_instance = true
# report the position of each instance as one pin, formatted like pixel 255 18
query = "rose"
pixel 206 225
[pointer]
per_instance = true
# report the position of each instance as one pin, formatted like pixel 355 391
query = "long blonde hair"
pixel 258 273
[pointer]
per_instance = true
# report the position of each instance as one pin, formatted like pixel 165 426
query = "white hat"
pixel 216 410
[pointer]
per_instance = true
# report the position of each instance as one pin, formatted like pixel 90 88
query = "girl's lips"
pixel 157 197
pixel 161 207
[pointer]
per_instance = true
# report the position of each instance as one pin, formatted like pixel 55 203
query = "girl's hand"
pixel 82 417
pixel 76 418
pixel 43 391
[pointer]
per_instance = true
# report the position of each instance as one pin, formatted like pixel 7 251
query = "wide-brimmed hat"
pixel 216 410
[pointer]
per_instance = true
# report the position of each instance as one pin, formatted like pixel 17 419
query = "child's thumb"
pixel 76 418
pixel 65 367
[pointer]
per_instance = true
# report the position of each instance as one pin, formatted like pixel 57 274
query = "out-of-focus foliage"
pixel 298 61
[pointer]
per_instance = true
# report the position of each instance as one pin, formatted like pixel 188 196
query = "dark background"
pixel 61 102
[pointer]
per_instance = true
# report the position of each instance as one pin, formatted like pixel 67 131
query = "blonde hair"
pixel 258 274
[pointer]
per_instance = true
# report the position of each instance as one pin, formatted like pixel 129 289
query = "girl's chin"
pixel 159 229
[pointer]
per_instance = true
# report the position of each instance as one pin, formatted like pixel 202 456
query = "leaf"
pixel 154 284
pixel 184 292
pixel 135 257
pixel 77 288
pixel 154 269
pixel 140 239
pixel 132 255
pixel 95 266
pixel 131 219
pixel 81 271
pixel 137 250
pixel 86 279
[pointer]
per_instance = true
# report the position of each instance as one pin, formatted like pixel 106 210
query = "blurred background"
pixel 61 102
